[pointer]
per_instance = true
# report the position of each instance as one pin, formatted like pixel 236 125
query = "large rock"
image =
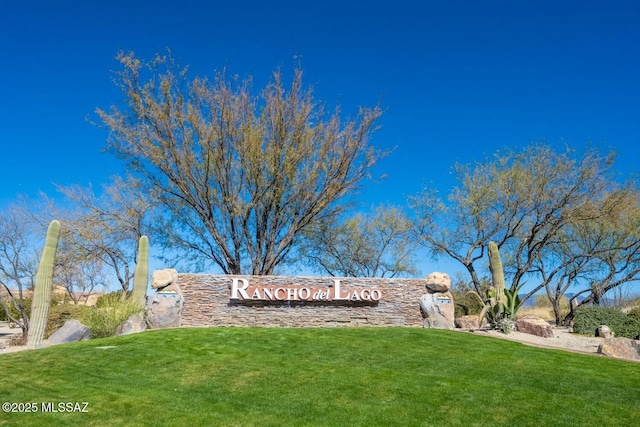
pixel 71 331
pixel 534 325
pixel 604 331
pixel 165 309
pixel 438 282
pixel 438 310
pixel 162 278
pixel 132 325
pixel 621 348
pixel 469 322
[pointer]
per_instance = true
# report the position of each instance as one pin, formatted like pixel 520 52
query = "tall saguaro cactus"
pixel 141 274
pixel 43 287
pixel 497 273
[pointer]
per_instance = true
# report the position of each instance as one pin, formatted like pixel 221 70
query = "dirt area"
pixel 6 333
pixel 562 339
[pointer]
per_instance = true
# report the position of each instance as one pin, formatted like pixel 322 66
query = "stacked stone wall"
pixel 207 302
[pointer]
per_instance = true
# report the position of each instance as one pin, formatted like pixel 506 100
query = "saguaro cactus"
pixel 141 274
pixel 43 287
pixel 497 273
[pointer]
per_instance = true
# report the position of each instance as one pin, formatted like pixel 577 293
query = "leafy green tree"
pixel 239 177
pixel 374 245
pixel 528 202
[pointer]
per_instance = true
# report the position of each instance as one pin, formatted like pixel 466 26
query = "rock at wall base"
pixel 534 325
pixel 438 310
pixel 470 322
pixel 165 309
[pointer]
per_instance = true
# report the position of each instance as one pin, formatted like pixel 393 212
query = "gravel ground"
pixel 5 335
pixel 562 339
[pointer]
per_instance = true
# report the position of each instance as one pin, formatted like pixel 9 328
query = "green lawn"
pixel 343 377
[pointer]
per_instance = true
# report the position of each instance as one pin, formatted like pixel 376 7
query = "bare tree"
pixel 98 232
pixel 18 265
pixel 239 176
pixel 375 245
pixel 79 276
pixel 526 202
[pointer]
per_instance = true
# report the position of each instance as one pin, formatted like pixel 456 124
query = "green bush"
pixel 109 312
pixel 60 313
pixel 14 311
pixel 632 324
pixel 465 305
pixel 588 319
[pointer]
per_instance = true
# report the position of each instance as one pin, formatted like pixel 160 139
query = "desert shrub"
pixel 587 320
pixel 104 318
pixel 14 311
pixel 60 313
pixel 107 300
pixel 631 327
pixel 464 304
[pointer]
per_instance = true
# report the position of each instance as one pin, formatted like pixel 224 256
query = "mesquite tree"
pixel 239 176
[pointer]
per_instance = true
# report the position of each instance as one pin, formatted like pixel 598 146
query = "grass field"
pixel 324 377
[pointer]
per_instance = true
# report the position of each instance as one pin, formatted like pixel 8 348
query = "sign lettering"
pixel 241 290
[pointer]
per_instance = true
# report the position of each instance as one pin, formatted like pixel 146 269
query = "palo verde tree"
pixel 373 245
pixel 527 202
pixel 610 236
pixel 238 176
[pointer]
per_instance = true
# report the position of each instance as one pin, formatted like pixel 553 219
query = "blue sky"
pixel 457 79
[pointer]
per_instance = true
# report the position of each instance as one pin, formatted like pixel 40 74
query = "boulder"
pixel 438 310
pixel 71 331
pixel 534 325
pixel 165 309
pixel 621 348
pixel 132 325
pixel 162 278
pixel 603 331
pixel 469 322
pixel 438 282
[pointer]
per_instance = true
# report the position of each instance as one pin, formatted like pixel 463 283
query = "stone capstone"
pixel 162 278
pixel 604 331
pixel 71 331
pixel 165 308
pixel 437 310
pixel 132 325
pixel 438 282
pixel 621 348
pixel 534 325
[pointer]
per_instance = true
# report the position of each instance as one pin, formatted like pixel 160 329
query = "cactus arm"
pixel 486 306
pixel 43 287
